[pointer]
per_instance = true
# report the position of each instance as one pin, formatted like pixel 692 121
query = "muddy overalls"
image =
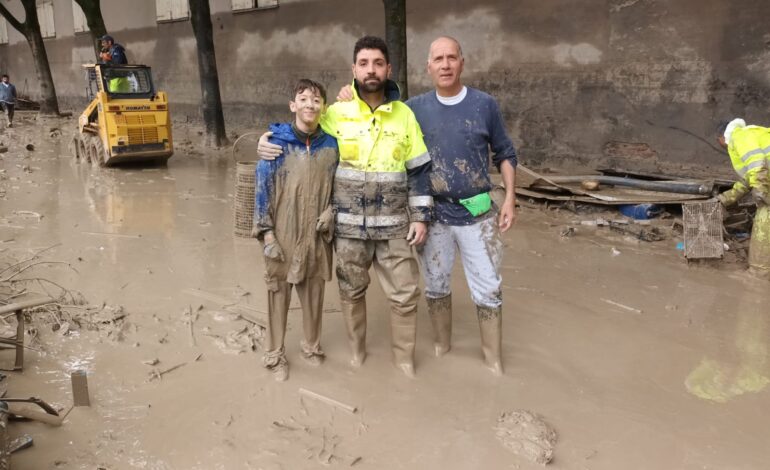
pixel 292 192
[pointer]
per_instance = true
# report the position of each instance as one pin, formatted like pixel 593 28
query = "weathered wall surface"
pixel 576 79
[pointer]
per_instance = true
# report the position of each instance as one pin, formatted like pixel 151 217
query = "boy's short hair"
pixel 5 75
pixel 371 42
pixel 308 84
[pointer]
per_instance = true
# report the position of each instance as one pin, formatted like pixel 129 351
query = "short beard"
pixel 369 87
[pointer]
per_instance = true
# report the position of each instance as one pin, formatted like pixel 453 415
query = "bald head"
pixel 445 41
pixel 445 65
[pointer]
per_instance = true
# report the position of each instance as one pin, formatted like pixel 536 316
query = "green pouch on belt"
pixel 478 204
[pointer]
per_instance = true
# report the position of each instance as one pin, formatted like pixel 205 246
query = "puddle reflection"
pixel 720 379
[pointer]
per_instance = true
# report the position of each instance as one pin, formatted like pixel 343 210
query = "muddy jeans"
pixel 481 251
pixel 394 263
pixel 311 297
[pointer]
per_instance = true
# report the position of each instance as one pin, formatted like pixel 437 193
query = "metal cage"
pixel 703 235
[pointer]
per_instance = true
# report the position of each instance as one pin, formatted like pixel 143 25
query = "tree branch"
pixel 21 27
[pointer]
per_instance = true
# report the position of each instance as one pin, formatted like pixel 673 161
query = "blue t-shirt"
pixel 459 138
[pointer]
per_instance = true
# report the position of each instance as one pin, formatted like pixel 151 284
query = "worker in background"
pixel 8 98
pixel 749 150
pixel 294 220
pixel 381 198
pixel 112 53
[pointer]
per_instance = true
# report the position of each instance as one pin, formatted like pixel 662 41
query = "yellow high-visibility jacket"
pixel 749 150
pixel 382 181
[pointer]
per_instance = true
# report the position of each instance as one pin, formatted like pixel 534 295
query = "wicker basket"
pixel 244 198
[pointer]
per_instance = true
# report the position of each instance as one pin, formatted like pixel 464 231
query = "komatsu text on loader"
pixel 127 119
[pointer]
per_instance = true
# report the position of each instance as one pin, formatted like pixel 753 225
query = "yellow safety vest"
pixel 372 195
pixel 749 151
pixel 119 85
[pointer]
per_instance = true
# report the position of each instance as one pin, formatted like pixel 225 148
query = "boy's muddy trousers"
pixel 311 297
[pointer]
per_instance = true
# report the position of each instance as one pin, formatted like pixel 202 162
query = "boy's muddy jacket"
pixel 292 192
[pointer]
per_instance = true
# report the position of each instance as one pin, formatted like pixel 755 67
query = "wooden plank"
pixel 329 401
pixel 29 303
pixel 80 388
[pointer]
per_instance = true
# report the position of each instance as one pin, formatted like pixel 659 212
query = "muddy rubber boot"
pixel 404 334
pixel 355 321
pixel 440 312
pixel 491 327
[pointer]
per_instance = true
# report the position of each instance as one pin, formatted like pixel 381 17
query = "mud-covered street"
pixel 637 360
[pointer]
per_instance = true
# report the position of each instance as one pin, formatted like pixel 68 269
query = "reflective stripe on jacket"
pixel 749 151
pixel 382 181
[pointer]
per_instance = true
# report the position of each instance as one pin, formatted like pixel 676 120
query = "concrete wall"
pixel 576 79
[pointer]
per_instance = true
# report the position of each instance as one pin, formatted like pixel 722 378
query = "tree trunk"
pixel 92 9
pixel 30 28
pixel 213 118
pixel 395 36
pixel 49 104
pixel 5 454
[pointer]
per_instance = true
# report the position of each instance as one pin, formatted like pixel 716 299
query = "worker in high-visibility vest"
pixel 749 149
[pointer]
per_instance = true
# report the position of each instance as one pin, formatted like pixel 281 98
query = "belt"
pixel 453 200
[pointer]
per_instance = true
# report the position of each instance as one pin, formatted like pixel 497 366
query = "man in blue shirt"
pixel 8 98
pixel 112 53
pixel 461 125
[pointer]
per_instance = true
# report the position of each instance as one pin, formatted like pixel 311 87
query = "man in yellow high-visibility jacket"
pixel 382 200
pixel 749 149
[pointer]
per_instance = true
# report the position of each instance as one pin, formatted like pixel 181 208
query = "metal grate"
pixel 245 183
pixel 139 119
pixel 703 230
pixel 142 135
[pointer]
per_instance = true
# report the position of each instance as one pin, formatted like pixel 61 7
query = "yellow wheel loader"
pixel 127 120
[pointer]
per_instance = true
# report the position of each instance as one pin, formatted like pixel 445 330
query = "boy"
pixel 294 220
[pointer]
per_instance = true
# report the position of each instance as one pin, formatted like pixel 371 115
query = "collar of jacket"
pixel 392 93
pixel 287 132
pixel 304 136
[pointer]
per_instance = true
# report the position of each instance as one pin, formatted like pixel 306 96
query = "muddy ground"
pixel 637 360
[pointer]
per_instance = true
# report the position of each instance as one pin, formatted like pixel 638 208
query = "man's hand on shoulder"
pixel 345 94
pixel 266 150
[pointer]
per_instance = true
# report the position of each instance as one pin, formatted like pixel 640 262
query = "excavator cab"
pixel 127 120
